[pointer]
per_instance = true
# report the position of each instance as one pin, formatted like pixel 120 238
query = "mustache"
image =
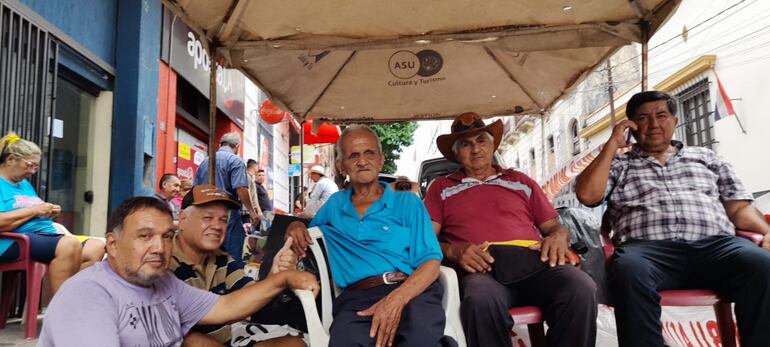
pixel 154 258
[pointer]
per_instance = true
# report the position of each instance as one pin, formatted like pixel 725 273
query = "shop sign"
pixel 189 59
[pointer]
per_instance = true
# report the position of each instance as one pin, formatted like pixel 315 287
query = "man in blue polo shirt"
pixel 382 252
pixel 231 178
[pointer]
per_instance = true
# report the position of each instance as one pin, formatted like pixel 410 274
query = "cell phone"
pixel 628 136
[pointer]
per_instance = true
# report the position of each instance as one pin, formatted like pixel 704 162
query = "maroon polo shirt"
pixel 503 207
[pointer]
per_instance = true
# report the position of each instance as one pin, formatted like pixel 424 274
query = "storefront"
pixel 58 94
pixel 183 114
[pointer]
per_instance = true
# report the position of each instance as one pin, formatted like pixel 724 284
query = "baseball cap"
pixel 206 193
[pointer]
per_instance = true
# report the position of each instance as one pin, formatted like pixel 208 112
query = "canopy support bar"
pixel 513 79
pixel 212 113
pixel 645 53
pixel 326 87
pixel 230 21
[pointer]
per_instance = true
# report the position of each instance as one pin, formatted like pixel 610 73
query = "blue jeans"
pixel 235 236
pixel 735 268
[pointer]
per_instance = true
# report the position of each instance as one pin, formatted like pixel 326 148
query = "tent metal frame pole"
pixel 212 113
pixel 645 53
pixel 302 165
pixel 611 92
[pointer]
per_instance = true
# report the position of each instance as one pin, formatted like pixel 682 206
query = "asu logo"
pixel 406 64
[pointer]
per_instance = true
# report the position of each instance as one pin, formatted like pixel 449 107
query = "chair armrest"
pixel 22 239
pixel 315 330
pixel 750 235
pixel 451 304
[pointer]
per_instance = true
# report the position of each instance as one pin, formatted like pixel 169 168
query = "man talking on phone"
pixel 674 210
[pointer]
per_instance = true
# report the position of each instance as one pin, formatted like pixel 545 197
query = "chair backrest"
pixel 329 289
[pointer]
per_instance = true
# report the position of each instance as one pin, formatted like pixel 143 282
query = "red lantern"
pixel 270 113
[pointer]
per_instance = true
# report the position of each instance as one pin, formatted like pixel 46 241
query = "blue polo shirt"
pixel 231 173
pixel 395 234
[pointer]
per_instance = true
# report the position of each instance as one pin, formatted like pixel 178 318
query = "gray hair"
pixel 351 129
pixel 11 144
pixel 230 139
pixel 455 145
pixel 190 209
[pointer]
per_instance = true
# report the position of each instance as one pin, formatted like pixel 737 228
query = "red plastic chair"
pixel 533 318
pixel 11 275
pixel 723 309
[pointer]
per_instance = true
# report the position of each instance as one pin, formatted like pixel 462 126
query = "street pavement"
pixel 13 334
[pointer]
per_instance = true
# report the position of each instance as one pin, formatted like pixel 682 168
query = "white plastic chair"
pixel 318 329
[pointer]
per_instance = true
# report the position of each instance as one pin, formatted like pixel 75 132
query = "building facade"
pixel 702 45
pixel 80 89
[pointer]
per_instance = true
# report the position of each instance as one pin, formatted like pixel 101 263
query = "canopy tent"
pixel 375 61
pixel 383 61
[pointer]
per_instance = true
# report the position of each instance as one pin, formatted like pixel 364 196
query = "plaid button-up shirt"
pixel 681 200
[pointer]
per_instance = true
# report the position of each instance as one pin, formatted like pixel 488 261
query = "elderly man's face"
pixel 655 124
pixel 475 151
pixel 362 159
pixel 140 251
pixel 171 187
pixel 314 177
pixel 203 227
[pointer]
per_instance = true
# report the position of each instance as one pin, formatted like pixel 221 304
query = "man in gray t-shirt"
pixel 131 300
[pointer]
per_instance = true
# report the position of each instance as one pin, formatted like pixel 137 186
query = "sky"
pixel 424 147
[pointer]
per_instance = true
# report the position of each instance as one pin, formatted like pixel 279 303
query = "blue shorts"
pixel 42 247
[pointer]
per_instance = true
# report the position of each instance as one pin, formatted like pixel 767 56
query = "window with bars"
pixel 696 116
pixel 575 137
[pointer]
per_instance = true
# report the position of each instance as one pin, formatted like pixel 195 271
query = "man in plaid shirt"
pixel 674 210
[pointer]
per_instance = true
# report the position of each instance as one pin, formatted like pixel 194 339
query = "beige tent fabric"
pixel 377 61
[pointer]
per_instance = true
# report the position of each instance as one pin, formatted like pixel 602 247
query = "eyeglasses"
pixel 646 118
pixel 30 165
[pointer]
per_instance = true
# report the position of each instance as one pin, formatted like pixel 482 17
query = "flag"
pixel 724 107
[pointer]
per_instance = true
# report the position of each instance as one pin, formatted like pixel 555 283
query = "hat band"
pixel 460 127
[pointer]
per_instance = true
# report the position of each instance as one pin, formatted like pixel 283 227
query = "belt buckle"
pixel 385 278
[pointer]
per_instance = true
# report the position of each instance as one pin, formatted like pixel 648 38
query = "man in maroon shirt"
pixel 483 203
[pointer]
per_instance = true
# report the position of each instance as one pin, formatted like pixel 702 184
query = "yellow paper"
pixel 184 151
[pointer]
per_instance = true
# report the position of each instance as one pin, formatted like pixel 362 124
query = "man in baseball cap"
pixel 198 261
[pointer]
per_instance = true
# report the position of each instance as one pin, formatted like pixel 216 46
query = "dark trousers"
pixel 733 267
pixel 566 295
pixel 422 320
pixel 235 236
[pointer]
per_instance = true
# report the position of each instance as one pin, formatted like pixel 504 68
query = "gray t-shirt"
pixel 97 307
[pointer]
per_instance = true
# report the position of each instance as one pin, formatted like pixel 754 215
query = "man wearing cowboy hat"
pixel 483 203
pixel 324 187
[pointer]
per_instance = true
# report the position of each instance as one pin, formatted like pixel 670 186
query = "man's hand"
pixel 386 315
pixel 297 231
pixel 766 242
pixel 471 258
pixel 285 259
pixel 301 280
pixel 256 217
pixel 618 137
pixel 555 249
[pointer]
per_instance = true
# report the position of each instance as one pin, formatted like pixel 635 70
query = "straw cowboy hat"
pixel 318 169
pixel 466 124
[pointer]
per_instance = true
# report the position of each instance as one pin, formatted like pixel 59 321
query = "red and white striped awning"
pixel 561 178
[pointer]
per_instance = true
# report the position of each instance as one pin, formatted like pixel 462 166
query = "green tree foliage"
pixel 394 137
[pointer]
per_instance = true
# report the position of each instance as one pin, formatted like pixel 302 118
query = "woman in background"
pixel 23 212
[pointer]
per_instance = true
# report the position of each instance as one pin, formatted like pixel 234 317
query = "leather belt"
pixel 390 277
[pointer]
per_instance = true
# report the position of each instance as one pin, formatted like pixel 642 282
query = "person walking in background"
pixel 23 212
pixel 168 189
pixel 320 192
pixel 184 187
pixel 231 177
